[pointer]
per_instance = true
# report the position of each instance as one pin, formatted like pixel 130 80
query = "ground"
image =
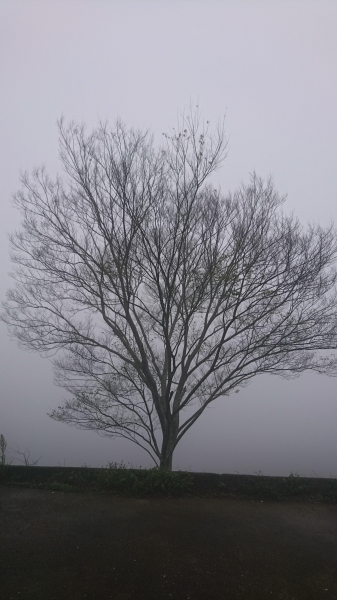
pixel 60 546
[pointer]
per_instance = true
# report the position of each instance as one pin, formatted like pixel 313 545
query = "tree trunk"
pixel 166 463
pixel 169 442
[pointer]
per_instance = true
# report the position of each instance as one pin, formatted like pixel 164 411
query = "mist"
pixel 270 69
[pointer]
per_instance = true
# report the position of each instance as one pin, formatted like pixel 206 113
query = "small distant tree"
pixel 25 457
pixel 3 446
pixel 159 293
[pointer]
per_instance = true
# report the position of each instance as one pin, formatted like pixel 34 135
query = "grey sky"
pixel 271 67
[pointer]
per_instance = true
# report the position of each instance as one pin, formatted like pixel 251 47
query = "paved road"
pixel 100 547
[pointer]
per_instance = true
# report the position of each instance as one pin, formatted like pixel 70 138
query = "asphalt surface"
pixel 60 546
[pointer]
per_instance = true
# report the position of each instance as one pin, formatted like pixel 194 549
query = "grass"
pixel 114 478
pixel 121 480
pixel 288 487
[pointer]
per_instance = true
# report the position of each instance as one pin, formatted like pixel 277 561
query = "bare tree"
pixel 26 459
pixel 3 446
pixel 161 293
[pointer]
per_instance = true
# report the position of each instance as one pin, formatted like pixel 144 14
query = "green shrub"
pixel 293 486
pixel 152 481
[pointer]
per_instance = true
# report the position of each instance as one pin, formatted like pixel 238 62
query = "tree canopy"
pixel 153 291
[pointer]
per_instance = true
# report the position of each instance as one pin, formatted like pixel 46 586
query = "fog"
pixel 270 67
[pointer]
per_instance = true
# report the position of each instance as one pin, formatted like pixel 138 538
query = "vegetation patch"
pixel 115 478
pixel 121 480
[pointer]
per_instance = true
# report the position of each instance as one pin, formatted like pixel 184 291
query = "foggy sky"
pixel 270 67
